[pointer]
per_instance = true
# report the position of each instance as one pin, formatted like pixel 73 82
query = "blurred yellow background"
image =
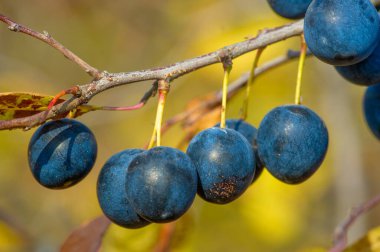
pixel 133 35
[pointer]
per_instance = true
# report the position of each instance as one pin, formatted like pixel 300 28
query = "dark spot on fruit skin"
pixel 225 189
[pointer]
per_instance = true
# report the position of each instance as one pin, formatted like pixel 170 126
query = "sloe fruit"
pixel 250 133
pixel 111 190
pixel 225 163
pixel 292 142
pixel 371 104
pixel 292 9
pixel 161 184
pixel 366 72
pixel 341 32
pixel 61 153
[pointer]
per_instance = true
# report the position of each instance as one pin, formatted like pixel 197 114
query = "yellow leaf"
pixel 18 105
pixel 369 243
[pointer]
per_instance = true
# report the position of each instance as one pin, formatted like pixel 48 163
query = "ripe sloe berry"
pixel 161 184
pixel 61 153
pixel 111 190
pixel 292 9
pixel 250 133
pixel 292 142
pixel 225 163
pixel 341 32
pixel 366 72
pixel 371 104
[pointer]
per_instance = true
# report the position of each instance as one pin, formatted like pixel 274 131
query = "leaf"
pixel 87 237
pixel 18 105
pixel 203 117
pixel 370 242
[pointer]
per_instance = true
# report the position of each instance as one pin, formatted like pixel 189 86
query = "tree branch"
pixel 340 235
pixel 111 80
pixel 202 109
pixel 45 37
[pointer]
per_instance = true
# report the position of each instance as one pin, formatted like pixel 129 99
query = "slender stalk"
pixel 153 138
pixel 134 107
pixel 227 71
pixel 300 70
pixel 160 111
pixel 163 89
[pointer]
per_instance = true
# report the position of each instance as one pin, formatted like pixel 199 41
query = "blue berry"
pixel 225 163
pixel 161 184
pixel 292 142
pixel 61 153
pixel 111 190
pixel 250 133
pixel 292 9
pixel 371 104
pixel 366 72
pixel 341 32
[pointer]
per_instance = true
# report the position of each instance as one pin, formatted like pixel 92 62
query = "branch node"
pixel 14 27
pixel 225 57
pixel 163 86
pixel 46 34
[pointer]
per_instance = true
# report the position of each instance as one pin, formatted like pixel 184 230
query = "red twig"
pixel 134 107
pixel 150 93
pixel 45 37
pixel 74 91
pixel 340 234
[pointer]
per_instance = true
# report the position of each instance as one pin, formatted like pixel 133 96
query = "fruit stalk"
pixel 227 69
pixel 300 70
pixel 163 89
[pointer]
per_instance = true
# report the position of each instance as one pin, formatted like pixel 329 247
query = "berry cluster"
pixel 137 187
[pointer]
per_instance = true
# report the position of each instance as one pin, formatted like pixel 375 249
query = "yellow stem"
pixel 249 83
pixel 160 112
pixel 300 70
pixel 156 135
pixel 152 139
pixel 227 71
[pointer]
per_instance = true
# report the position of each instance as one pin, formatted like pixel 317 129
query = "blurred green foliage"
pixel 132 35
